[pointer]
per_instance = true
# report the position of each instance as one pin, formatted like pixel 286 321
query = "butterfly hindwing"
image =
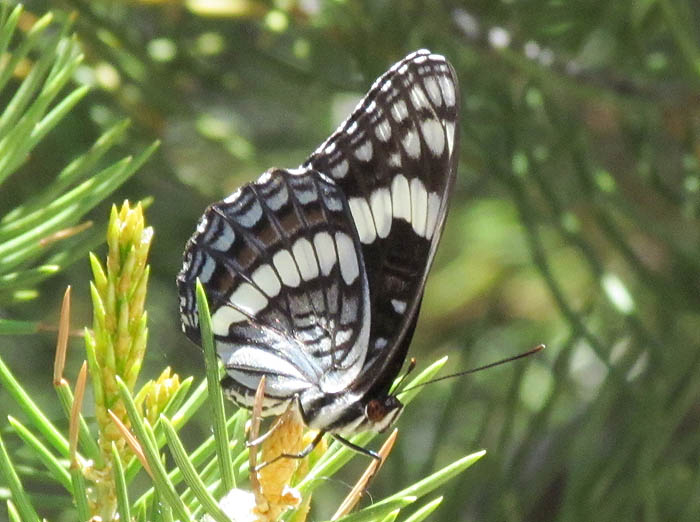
pixel 395 159
pixel 282 268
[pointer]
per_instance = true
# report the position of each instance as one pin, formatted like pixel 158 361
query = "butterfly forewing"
pixel 281 265
pixel 395 160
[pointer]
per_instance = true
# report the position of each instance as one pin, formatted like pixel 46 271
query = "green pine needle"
pixel 216 399
pixel 424 511
pixel 123 506
pixel 56 469
pixel 20 499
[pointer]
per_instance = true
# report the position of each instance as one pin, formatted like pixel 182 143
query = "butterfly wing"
pixel 395 159
pixel 282 268
pixel 315 276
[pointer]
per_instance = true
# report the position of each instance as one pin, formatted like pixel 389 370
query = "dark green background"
pixel 574 222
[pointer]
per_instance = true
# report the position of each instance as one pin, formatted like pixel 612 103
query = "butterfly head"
pixel 382 413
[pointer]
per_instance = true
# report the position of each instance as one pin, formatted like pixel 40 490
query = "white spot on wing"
pixel 340 170
pixel 325 250
pixel 433 89
pixel 248 299
pixel 266 279
pixel 342 336
pixel 383 130
pixel 448 90
pixel 264 178
pixel 207 270
pixel 252 216
pixel 433 210
pixel 434 135
pixel 362 216
pixel 399 110
pixel 398 306
pixel 222 319
pixel 284 263
pixel 225 240
pixel 306 260
pixel 418 98
pixel 347 256
pixel 395 159
pixel 411 143
pixel 401 198
pixel 450 132
pixel 233 197
pixel 262 360
pixel 364 151
pixel 419 206
pixel 278 198
pixel 380 202
pixel 380 342
pixel 333 203
pixel 306 196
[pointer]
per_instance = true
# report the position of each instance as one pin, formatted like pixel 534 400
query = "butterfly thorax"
pixel 347 414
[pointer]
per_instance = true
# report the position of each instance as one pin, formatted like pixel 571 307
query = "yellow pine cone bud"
pixel 155 395
pixel 117 344
pixel 275 478
pixel 304 465
pixel 118 296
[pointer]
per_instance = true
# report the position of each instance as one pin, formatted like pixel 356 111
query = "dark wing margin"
pixel 283 271
pixel 395 158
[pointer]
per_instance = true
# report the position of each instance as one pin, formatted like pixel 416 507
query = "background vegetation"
pixel 574 222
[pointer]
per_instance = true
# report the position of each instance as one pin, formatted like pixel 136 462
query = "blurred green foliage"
pixel 574 220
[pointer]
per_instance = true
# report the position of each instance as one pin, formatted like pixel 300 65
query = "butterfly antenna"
pixel 411 367
pixel 478 369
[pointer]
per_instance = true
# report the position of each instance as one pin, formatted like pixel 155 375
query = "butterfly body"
pixel 315 275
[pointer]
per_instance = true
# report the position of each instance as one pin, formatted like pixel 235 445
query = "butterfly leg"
pixel 356 448
pixel 303 453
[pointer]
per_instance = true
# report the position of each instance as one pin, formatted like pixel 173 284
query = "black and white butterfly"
pixel 315 275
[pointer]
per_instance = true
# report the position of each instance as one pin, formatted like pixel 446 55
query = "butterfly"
pixel 315 275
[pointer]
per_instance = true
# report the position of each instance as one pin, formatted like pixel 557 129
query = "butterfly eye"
pixel 375 410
